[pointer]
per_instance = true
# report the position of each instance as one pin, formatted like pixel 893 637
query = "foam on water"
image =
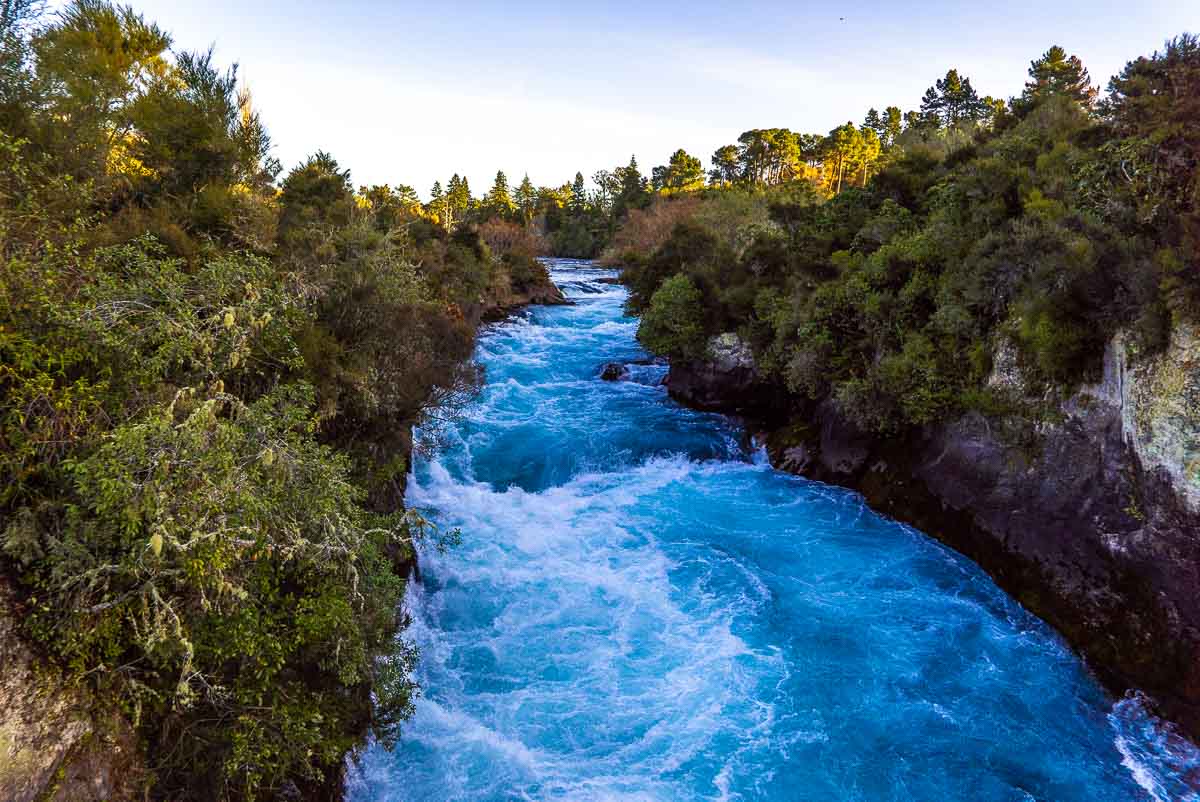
pixel 642 609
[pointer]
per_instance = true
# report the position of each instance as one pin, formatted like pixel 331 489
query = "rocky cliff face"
pixel 53 746
pixel 1089 517
pixel 725 381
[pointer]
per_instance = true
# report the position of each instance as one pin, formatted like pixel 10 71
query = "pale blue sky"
pixel 405 92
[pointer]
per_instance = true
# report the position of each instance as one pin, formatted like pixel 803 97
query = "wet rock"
pixel 614 371
pixel 725 380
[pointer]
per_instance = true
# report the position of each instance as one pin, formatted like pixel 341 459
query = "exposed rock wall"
pixel 52 749
pixel 725 381
pixel 1088 517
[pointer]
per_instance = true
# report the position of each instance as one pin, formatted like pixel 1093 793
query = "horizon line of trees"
pixel 577 220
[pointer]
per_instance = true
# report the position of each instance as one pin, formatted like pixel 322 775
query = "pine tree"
pixel 952 100
pixel 458 200
pixel 893 124
pixel 578 202
pixel 635 189
pixel 526 199
pixel 1056 74
pixel 874 122
pixel 498 202
pixel 869 148
pixel 843 154
pixel 437 203
pixel 682 172
pixel 725 164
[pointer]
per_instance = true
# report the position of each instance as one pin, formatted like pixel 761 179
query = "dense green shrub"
pixel 206 394
pixel 673 323
pixel 1051 230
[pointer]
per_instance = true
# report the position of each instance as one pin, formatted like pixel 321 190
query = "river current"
pixel 642 609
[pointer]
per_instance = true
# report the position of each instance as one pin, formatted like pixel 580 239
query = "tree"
pixel 893 125
pixel 868 151
pixel 874 121
pixel 608 186
pixel 635 190
pixel 578 203
pixel 437 203
pixel 498 201
pixel 725 165
pixel 952 100
pixel 673 324
pixel 315 196
pixel 526 199
pixel 458 200
pixel 93 65
pixel 769 155
pixel 17 17
pixel 682 172
pixel 843 153
pixel 993 111
pixel 1153 112
pixel 1056 74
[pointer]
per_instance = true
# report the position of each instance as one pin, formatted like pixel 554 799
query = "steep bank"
pixel 505 295
pixel 639 608
pixel 59 742
pixel 1090 516
pixel 54 745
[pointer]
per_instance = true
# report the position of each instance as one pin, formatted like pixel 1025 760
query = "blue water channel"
pixel 642 609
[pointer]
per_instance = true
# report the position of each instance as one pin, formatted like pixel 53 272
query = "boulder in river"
pixel 614 371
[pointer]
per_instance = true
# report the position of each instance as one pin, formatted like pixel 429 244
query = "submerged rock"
pixel 614 371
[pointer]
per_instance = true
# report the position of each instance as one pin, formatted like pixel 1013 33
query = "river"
pixel 642 609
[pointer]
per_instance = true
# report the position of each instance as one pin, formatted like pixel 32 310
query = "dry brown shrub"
pixel 644 230
pixel 504 237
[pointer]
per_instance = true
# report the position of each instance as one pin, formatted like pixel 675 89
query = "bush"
pixel 504 237
pixel 645 230
pixel 673 324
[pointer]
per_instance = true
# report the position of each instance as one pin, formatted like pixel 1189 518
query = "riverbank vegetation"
pixel 209 370
pixel 892 264
pixel 208 376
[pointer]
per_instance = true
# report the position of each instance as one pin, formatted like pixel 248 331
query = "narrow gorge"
pixel 641 607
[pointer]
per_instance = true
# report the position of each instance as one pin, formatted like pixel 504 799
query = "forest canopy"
pixel 889 265
pixel 209 372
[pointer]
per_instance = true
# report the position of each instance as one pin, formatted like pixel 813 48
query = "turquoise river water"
pixel 642 609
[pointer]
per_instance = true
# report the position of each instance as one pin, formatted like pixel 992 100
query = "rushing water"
pixel 641 609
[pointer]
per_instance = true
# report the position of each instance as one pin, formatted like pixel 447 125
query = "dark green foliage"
pixel 575 240
pixel 206 394
pixel 673 323
pixel 688 245
pixel 1056 75
pixel 1047 232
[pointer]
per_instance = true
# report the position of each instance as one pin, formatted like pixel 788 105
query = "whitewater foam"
pixel 642 609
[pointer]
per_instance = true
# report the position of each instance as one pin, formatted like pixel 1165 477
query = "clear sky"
pixel 404 92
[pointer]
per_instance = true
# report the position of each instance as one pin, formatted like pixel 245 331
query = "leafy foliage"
pixel 206 392
pixel 1047 227
pixel 673 323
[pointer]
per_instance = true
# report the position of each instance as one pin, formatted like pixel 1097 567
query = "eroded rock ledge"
pixel 1090 517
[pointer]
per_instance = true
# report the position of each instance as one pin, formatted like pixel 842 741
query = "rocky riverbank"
pixel 57 744
pixel 1088 513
